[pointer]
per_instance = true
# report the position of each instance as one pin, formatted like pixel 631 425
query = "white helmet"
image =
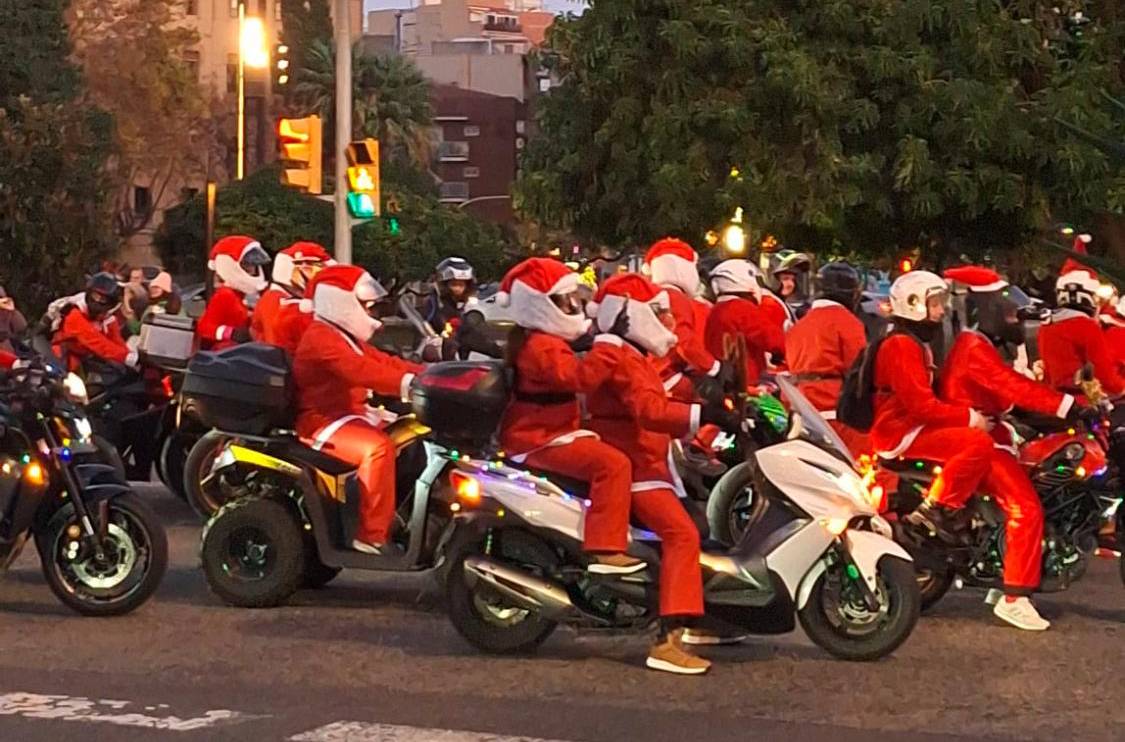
pixel 1078 289
pixel 911 292
pixel 736 276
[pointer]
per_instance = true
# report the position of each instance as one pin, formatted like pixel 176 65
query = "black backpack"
pixel 856 406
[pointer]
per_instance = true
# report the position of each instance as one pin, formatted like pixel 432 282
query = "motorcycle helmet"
pixel 296 265
pixel 543 295
pixel 988 305
pixel 646 307
pixel 736 277
pixel 455 278
pixel 103 295
pixel 839 282
pixel 912 295
pixel 239 262
pixel 346 296
pixel 1078 289
pixel 673 262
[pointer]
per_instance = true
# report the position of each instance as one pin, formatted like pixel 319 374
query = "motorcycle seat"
pixel 293 449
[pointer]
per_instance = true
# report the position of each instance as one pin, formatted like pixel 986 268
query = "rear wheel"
pixel 733 504
pixel 253 553
pixel 838 619
pixel 204 492
pixel 171 461
pixel 933 585
pixel 485 619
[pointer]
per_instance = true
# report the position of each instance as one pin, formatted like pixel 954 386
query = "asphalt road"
pixel 374 659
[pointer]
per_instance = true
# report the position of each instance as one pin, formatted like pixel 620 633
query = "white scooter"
pixel 819 552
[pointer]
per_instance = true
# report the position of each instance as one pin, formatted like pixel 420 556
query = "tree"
pixel 877 126
pixel 304 23
pixel 278 216
pixel 390 99
pixel 35 51
pixel 132 53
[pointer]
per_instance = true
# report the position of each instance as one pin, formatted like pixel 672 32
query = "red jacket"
pixel 333 374
pixel 904 397
pixel 824 343
pixel 226 311
pixel 1069 341
pixel 630 411
pixel 734 316
pixel 689 354
pixel 262 321
pixel 777 310
pixel 974 375
pixel 79 338
pixel 290 326
pixel 544 407
pixel 1115 341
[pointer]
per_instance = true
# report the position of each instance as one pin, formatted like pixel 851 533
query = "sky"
pixel 551 4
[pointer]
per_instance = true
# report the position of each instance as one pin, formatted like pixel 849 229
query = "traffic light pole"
pixel 343 129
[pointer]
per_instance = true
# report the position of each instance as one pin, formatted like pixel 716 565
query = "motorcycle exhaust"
pixel 527 591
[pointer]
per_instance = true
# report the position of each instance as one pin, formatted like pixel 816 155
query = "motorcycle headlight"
pixel 83 429
pixel 75 389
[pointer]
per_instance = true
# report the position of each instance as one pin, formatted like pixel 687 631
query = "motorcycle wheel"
pixel 732 506
pixel 135 558
pixel 838 620
pixel 171 462
pixel 484 619
pixel 932 586
pixel 253 553
pixel 204 500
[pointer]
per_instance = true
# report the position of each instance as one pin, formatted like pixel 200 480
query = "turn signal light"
pixel 836 526
pixel 466 487
pixel 33 473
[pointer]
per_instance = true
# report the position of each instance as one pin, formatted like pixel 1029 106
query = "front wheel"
pixel 484 618
pixel 253 553
pixel 119 577
pixel 734 504
pixel 838 619
pixel 206 493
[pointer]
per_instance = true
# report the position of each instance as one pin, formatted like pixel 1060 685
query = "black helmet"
pixel 839 282
pixel 103 294
pixel 455 269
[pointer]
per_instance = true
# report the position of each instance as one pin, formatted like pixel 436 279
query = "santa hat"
pixel 299 252
pixel 163 281
pixel 337 294
pixel 635 296
pixel 225 259
pixel 1081 242
pixel 527 290
pixel 673 262
pixel 979 280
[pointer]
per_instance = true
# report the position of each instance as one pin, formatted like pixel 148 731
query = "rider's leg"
pixel 964 455
pixel 362 444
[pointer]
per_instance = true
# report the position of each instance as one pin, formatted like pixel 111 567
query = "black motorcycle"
pixel 103 551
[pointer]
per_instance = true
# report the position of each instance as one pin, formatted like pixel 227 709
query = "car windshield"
pixel 814 428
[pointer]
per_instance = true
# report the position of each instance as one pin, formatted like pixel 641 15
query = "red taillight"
pixel 465 486
pixel 166 385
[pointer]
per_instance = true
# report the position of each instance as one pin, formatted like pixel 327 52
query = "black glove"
pixel 727 375
pixel 718 414
pixel 241 335
pixel 709 389
pixel 1085 414
pixel 582 344
pixel 620 326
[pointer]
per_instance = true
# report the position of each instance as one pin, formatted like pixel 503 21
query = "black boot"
pixel 939 520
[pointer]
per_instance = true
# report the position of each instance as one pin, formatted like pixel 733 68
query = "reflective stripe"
pixel 221 333
pixel 332 428
pixel 904 444
pixel 828 414
pixel 671 381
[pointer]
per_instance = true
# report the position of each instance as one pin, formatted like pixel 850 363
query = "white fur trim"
pixel 222 333
pixel 824 304
pixel 324 434
pixel 672 380
pixel 905 443
pixel 342 308
pixel 828 414
pixel 652 484
pixel 306 306
pixel 696 413
pixel 1065 406
pixel 609 339
pixel 503 298
pixel 716 367
pixel 283 266
pixel 676 272
pixel 994 286
pixel 535 310
pixel 404 387
pixel 132 359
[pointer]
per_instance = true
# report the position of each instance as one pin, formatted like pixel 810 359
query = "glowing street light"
pixel 734 236
pixel 253 52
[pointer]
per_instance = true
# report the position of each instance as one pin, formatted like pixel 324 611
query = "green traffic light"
pixel 393 226
pixel 360 206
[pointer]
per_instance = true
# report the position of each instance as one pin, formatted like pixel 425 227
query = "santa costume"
pixel 1073 337
pixel 293 268
pixel 738 313
pixel 237 263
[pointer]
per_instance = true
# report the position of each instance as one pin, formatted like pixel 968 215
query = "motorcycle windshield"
pixel 814 428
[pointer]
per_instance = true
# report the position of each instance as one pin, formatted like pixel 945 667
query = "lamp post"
pixel 252 52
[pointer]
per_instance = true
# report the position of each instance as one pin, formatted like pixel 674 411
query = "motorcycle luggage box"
pixel 168 339
pixel 461 401
pixel 246 389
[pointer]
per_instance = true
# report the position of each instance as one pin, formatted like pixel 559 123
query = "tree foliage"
pixel 876 125
pixel 304 24
pixel 278 216
pixel 35 47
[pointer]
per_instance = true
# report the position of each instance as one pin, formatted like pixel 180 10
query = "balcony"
pixel 504 23
pixel 453 192
pixel 453 152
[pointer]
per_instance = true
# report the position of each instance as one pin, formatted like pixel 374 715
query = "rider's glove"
pixel 240 335
pixel 718 414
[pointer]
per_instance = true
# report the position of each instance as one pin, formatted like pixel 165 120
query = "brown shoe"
pixel 668 655
pixel 614 564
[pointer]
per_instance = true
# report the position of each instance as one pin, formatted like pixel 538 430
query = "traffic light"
pixel 363 179
pixel 300 143
pixel 281 67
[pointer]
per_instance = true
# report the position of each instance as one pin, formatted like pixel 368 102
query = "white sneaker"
pixel 1021 614
pixel 706 637
pixel 366 548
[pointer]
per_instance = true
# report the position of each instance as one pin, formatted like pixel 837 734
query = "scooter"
pixel 819 553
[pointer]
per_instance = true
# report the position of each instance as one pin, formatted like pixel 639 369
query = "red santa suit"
pixel 819 350
pixel 226 314
pixel 735 316
pixel 334 370
pixel 1072 338
pixel 80 337
pixel 629 410
pixel 265 314
pixel 542 425
pixel 292 268
pixel 1115 335
pixel 673 266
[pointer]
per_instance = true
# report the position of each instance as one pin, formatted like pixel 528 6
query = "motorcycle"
pixel 819 553
pixel 103 551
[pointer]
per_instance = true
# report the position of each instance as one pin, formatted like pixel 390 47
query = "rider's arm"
pixel 225 312
pixel 689 339
pixel 1093 341
pixel 1011 388
pixel 902 365
pixel 649 404
pixel 548 361
pixel 79 331
pixel 382 373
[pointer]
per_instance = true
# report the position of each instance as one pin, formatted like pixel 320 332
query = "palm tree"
pixel 390 99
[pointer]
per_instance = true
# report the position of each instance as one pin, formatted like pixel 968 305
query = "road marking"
pixel 358 731
pixel 103 711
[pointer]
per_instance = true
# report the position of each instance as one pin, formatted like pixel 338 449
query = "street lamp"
pixel 252 52
pixel 734 236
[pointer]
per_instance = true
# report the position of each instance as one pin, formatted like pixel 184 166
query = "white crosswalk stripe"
pixel 103 711
pixel 356 731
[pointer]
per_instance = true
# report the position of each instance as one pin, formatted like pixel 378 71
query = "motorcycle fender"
pixel 807 583
pixel 99 492
pixel 249 456
pixel 867 548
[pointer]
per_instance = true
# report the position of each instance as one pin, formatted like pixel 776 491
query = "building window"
pixel 455 191
pixel 519 143
pixel 232 73
pixel 453 151
pixel 192 7
pixel 521 127
pixel 470 171
pixel 191 61
pixel 142 200
pixel 234 8
pixel 472 131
